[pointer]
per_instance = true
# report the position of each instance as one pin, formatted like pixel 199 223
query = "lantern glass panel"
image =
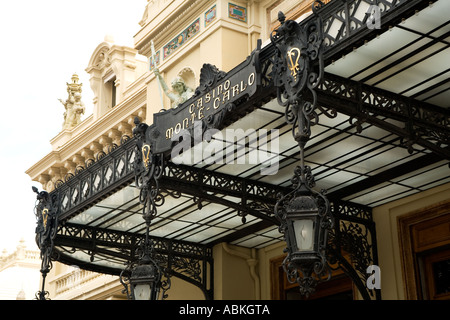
pixel 304 234
pixel 142 292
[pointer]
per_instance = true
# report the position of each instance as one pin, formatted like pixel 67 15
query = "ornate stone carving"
pixel 73 105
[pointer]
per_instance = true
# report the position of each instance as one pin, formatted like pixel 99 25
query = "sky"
pixel 43 43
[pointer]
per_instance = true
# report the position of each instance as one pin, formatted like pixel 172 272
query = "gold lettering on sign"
pixel 169 133
pixel 200 113
pixel 185 123
pixel 293 56
pixel 216 103
pixel 178 128
pixel 45 217
pixel 243 87
pixel 214 99
pixel 146 155
pixel 236 90
pixel 227 84
pixel 251 79
pixel 226 96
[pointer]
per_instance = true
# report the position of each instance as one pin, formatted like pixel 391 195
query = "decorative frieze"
pixel 181 38
pixel 237 12
pixel 210 15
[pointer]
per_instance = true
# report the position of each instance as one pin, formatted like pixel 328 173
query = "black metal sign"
pixel 217 95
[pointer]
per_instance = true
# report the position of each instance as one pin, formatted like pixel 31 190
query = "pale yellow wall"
pixel 385 217
pixel 232 273
pixel 211 44
pixel 183 290
pixel 243 273
pixel 234 48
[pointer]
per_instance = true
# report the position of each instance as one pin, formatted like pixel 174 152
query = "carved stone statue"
pixel 73 105
pixel 180 92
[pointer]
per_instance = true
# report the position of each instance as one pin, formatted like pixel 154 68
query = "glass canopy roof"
pixel 411 59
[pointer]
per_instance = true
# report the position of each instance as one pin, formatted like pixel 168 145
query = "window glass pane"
pixel 441 273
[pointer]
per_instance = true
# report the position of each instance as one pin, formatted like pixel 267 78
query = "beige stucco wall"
pixel 385 217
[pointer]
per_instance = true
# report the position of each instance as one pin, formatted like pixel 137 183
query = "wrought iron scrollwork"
pixel 353 238
pixel 149 168
pixel 46 212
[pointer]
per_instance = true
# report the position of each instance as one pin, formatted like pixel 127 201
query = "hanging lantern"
pixel 145 281
pixel 305 220
pixel 302 215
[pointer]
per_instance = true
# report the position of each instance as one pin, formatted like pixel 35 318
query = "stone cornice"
pixel 92 133
pixel 24 258
pixel 43 165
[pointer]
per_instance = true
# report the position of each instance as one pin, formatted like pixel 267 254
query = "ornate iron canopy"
pixel 94 217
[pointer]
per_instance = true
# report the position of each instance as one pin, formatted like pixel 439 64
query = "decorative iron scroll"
pixel 210 76
pixel 208 185
pixel 99 177
pixel 46 211
pixel 148 265
pixel 352 245
pixel 348 24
